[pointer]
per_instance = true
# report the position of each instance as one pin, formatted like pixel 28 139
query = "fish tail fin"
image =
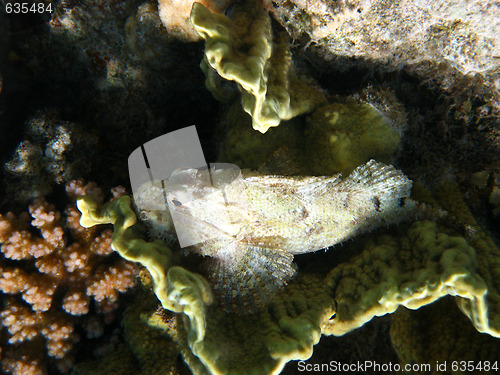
pixel 246 276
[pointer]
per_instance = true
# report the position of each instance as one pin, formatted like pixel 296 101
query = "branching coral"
pixel 242 49
pixel 54 151
pixel 53 263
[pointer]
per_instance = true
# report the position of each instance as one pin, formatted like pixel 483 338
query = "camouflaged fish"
pixel 252 228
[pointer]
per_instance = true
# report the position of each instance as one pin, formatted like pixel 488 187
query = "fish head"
pixel 199 211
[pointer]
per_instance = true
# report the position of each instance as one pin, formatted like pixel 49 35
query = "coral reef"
pixel 242 49
pixel 174 14
pixel 334 138
pixel 439 333
pixel 317 20
pixel 55 273
pixel 424 31
pixel 139 83
pixel 48 156
pixel 194 292
pixel 147 350
pixel 412 267
pixel 114 73
pixel 442 68
pixel 488 182
pixel 246 148
pixel 339 137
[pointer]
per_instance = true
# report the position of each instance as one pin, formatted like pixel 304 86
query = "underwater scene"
pixel 249 187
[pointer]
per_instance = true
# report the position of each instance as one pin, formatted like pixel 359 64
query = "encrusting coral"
pixel 52 268
pixel 447 35
pixel 147 350
pixel 439 333
pixel 242 49
pixel 334 138
pixel 413 267
pixel 247 148
pixel 341 136
pixel 489 182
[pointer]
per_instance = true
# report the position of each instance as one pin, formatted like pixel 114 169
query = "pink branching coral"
pixel 53 269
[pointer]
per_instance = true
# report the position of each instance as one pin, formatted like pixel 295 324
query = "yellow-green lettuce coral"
pixel 242 49
pixel 412 267
pixel 177 289
pixel 337 137
pixel 440 333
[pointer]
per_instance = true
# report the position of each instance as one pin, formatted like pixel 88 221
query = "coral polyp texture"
pixel 56 274
pixel 243 49
pixel 413 266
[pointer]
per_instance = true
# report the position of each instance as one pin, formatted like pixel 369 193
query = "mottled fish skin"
pixel 273 218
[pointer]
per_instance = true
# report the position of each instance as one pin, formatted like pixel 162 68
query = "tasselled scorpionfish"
pixel 252 227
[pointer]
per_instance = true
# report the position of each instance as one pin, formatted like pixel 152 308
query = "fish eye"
pixel 176 202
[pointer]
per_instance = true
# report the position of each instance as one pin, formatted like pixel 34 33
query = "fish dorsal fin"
pixel 318 185
pixel 384 181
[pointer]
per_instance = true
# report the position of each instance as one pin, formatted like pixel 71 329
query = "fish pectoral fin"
pixel 246 276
